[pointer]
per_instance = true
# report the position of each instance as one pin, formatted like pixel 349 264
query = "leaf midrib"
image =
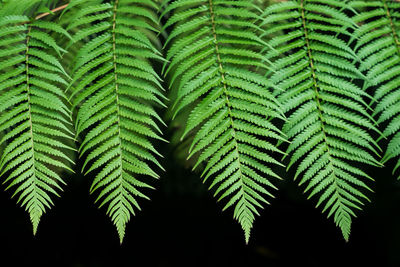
pixel 28 93
pixel 221 71
pixel 317 99
pixel 392 26
pixel 246 227
pixel 121 178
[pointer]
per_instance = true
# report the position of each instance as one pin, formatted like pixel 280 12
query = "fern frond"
pixel 328 119
pixel 214 47
pixel 114 91
pixel 379 49
pixel 34 117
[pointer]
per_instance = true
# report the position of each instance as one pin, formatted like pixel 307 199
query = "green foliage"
pixel 213 48
pixel 328 120
pixel 34 116
pixel 244 77
pixel 114 90
pixel 379 51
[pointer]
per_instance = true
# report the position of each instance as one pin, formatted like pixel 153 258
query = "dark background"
pixel 184 226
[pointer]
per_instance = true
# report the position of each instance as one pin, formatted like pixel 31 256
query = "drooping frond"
pixel 34 117
pixel 378 47
pixel 114 91
pixel 213 52
pixel 328 119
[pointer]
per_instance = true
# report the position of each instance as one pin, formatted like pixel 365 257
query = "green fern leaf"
pixel 379 50
pixel 328 119
pixel 214 47
pixel 34 117
pixel 114 91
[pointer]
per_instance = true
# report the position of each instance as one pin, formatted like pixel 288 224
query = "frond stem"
pixel 116 83
pixel 311 62
pixel 47 13
pixel 51 11
pixel 28 93
pixel 221 70
pixel 394 33
pixel 317 97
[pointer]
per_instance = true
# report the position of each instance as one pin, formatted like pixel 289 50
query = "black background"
pixel 183 225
